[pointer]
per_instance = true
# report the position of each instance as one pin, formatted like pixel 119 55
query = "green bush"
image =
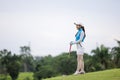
pixel 43 72
pixel 65 64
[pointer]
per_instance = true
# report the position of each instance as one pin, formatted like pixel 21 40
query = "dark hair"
pixel 83 30
pixel 82 27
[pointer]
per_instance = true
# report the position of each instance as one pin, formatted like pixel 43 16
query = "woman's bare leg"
pixel 78 63
pixel 81 63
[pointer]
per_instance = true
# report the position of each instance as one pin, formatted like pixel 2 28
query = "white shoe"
pixel 82 72
pixel 76 73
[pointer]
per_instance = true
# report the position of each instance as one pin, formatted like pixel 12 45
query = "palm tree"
pixel 101 55
pixel 26 57
pixel 116 54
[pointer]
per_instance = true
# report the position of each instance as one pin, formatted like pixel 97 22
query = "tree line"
pixel 100 58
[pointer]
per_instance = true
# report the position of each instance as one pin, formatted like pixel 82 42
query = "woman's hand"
pixel 72 42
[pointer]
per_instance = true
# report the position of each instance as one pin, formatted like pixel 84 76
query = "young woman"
pixel 79 38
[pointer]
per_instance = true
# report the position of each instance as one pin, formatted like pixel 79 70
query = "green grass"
pixel 22 76
pixel 113 74
pixel 25 76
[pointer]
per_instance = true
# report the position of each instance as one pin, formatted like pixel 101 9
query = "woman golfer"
pixel 79 38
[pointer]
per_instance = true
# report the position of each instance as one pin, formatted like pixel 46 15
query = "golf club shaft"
pixel 70 49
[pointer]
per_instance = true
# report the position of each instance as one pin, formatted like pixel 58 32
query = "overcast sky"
pixel 48 24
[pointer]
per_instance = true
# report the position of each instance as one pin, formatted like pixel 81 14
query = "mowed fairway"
pixel 25 76
pixel 113 74
pixel 22 76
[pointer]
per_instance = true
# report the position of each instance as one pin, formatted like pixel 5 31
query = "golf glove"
pixel 72 42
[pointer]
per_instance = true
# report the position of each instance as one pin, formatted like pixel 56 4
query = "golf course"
pixel 113 74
